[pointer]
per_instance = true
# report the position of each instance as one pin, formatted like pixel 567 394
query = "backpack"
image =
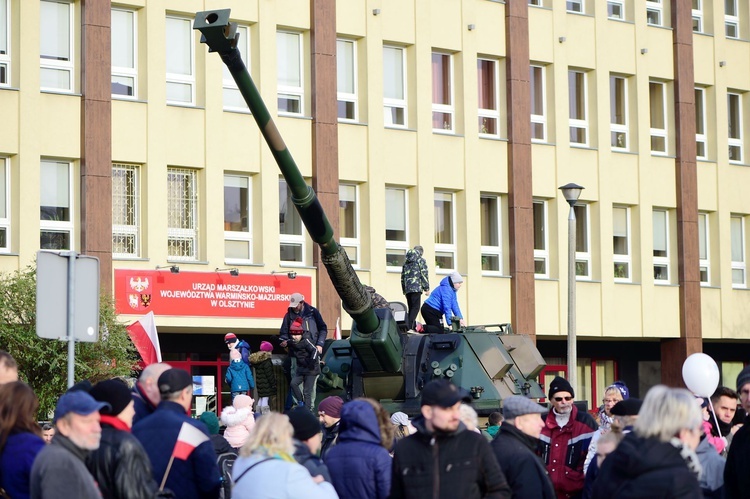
pixel 226 463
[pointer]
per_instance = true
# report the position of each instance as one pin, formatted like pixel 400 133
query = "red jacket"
pixel 564 451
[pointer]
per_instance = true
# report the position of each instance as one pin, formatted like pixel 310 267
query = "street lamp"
pixel 571 192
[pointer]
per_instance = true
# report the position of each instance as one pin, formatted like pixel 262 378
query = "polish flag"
pixel 143 334
pixel 337 332
pixel 189 438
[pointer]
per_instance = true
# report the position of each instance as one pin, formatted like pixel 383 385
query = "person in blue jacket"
pixel 239 376
pixel 442 302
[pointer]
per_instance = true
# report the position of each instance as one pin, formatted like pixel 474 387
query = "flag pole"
pixel 166 473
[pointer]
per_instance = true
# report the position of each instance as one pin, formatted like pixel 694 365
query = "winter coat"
pixel 414 277
pixel 645 467
pixel 312 321
pixel 312 463
pixel 308 359
pixel 16 460
pixel 239 423
pixel 516 454
pixel 276 479
pixel 736 476
pixel 377 299
pixel 194 478
pixel 442 465
pixel 120 465
pixel 443 298
pixel 360 466
pixel 239 377
pixel 712 464
pixel 330 439
pixel 265 377
pixel 221 446
pixel 59 469
pixel 564 450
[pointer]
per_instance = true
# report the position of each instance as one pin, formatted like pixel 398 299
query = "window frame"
pixel 571 5
pixel 352 242
pixel 6 34
pixel 241 236
pixel 189 211
pixel 738 265
pixel 618 3
pixel 625 259
pixel 659 133
pixel 58 64
pixel 231 95
pixel 180 79
pixel 291 92
pixel 735 141
pixel 704 239
pixel 440 108
pixel 538 119
pixel 393 103
pixel 449 250
pixel 662 260
pixel 124 72
pixel 698 17
pixel 584 257
pixel 5 222
pixel 732 21
pixel 59 226
pixel 618 129
pixel 495 251
pixel 132 191
pixel 582 96
pixel 655 7
pixel 344 98
pixel 487 113
pixel 541 254
pixel 701 139
pixel 292 240
pixel 393 245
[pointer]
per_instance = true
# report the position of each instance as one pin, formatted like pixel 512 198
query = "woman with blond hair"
pixel 266 468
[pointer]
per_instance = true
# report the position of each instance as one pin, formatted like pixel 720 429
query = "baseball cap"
pixel 230 338
pixel 77 402
pixel 174 380
pixel 518 405
pixel 296 299
pixel 443 393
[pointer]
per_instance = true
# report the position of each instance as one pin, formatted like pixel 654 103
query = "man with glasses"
pixel 565 440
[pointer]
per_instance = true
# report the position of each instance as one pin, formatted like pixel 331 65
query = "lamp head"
pixel 571 192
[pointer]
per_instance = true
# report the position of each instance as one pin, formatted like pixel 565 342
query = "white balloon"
pixel 700 374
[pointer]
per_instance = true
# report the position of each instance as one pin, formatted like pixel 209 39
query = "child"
pixel 239 420
pixel 239 376
pixel 263 365
pixel 308 363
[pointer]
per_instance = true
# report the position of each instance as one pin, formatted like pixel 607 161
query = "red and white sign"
pixel 206 294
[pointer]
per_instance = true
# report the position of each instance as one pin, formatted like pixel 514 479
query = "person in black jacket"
pixel 265 377
pixel 221 446
pixel 308 434
pixel 120 466
pixel 443 460
pixel 515 449
pixel 308 364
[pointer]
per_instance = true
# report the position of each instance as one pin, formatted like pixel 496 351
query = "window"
pixel 734 113
pixel 349 221
pixel 698 16
pixel 577 104
pixel 346 71
pixel 654 12
pixel 574 6
pixel 703 249
pixel 4 205
pixel 621 243
pixel 55 205
pixel 541 251
pixel 291 237
pixel 492 255
pixel 445 231
pixel 180 61
pixel 489 101
pixel 4 42
pixel 583 241
pixel 126 211
pixel 233 100
pixel 442 92
pixel 661 246
pixel 658 111
pixel 394 86
pixel 616 9
pixel 737 225
pixel 291 85
pixel 538 3
pixel 238 234
pixel 182 214
pixel 538 104
pixel 618 110
pixel 124 53
pixel 56 46
pixel 396 226
pixel 700 124
pixel 731 19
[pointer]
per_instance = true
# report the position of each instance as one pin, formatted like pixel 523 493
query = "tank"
pixel 380 359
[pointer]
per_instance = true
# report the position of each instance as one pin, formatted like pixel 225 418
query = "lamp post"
pixel 571 192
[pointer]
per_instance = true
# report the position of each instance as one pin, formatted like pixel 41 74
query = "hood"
pixel 359 423
pixel 411 256
pixel 258 357
pixel 636 456
pixel 237 365
pixel 233 417
pixel 446 281
pixel 704 448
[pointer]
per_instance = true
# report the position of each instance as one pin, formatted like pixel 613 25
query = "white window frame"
pixel 344 98
pixel 542 254
pixel 5 205
pixel 737 232
pixel 231 96
pixel 352 242
pixel 618 130
pixel 60 65
pixel 59 226
pixel 622 230
pixel 497 250
pixel 704 249
pixel 445 249
pixel 577 123
pixel 391 245
pixel 188 211
pixel 660 133
pixel 735 137
pixel 489 114
pixel 125 73
pixel 584 257
pixel 128 198
pixel 291 92
pixel 537 3
pixel 5 42
pixel 616 4
pixel 732 21
pixel 701 139
pixel 298 240
pixel 393 104
pixel 575 6
pixel 443 109
pixel 663 260
pixel 655 8
pixel 186 78
pixel 697 16
pixel 538 119
pixel 244 237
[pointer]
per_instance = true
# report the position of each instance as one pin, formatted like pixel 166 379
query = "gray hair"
pixel 666 411
pixel 468 416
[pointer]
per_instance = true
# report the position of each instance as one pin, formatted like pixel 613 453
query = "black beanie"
pixel 743 378
pixel 560 385
pixel 113 391
pixel 305 424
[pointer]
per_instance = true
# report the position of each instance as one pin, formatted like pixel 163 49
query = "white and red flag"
pixel 145 338
pixel 337 332
pixel 188 439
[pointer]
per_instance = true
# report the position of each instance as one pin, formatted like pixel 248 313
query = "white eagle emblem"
pixel 133 301
pixel 139 284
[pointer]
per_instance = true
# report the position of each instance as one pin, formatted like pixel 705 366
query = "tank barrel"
pixel 221 36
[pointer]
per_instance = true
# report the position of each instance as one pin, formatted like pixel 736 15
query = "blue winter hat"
pixel 77 402
pixel 622 388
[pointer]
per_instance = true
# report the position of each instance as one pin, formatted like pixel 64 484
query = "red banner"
pixel 206 294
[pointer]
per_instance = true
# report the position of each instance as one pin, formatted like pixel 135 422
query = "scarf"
pixel 689 455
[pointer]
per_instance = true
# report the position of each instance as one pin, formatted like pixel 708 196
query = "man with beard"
pixel 443 459
pixel 565 440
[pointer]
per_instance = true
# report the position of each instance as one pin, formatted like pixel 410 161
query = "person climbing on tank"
pixel 442 302
pixel 308 364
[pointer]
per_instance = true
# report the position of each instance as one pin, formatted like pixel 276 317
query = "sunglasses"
pixel 560 399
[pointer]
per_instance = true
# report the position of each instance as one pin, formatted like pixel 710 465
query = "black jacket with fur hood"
pixel 265 378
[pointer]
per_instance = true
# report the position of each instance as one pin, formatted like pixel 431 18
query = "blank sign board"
pixel 52 296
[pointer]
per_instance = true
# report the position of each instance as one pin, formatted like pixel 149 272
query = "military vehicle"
pixel 379 359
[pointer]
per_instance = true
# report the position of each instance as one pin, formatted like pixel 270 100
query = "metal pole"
pixel 572 353
pixel 71 337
